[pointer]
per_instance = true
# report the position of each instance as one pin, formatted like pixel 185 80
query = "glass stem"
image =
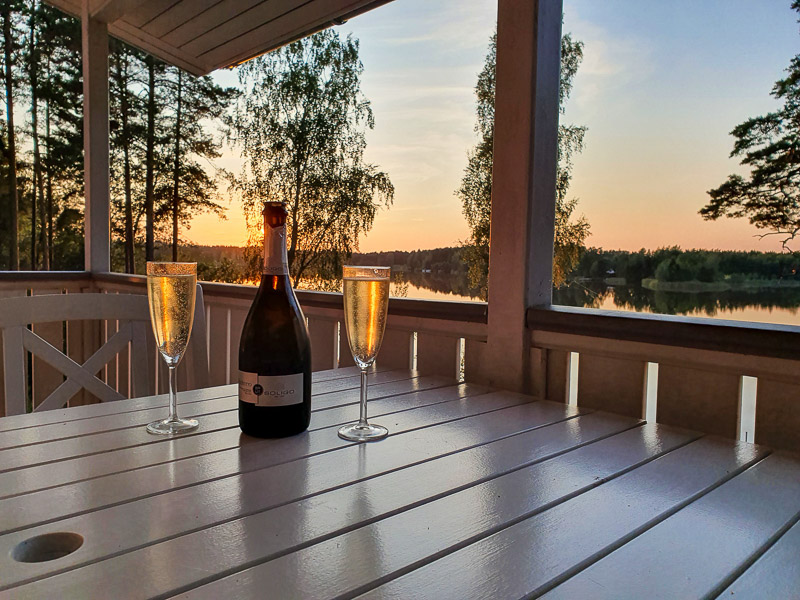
pixel 363 418
pixel 173 397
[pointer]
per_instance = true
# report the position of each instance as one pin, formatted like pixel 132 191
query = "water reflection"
pixel 774 305
pixel 756 303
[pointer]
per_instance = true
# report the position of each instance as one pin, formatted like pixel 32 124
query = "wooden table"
pixel 475 494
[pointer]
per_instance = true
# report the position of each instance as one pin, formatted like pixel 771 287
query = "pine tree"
pixel 188 190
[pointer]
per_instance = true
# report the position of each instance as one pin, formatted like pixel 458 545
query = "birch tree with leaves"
pixel 300 125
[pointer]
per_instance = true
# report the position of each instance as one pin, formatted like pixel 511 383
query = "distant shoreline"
pixel 693 287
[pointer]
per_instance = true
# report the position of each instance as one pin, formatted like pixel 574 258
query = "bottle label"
pixel 270 390
pixel 275 261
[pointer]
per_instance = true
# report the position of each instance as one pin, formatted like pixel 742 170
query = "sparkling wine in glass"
pixel 171 290
pixel 366 301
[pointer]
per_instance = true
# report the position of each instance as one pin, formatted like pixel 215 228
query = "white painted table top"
pixel 475 494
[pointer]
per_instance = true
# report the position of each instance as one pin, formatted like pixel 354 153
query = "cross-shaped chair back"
pixel 132 317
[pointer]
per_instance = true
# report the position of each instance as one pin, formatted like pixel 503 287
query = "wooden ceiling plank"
pixel 310 16
pixel 108 11
pixel 262 13
pixel 154 46
pixel 176 16
pixel 147 11
pixel 201 23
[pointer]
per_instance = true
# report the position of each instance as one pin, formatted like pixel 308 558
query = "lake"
pixel 772 305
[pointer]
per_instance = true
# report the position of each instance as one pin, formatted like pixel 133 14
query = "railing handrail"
pixel 470 312
pixel 740 337
pixel 24 276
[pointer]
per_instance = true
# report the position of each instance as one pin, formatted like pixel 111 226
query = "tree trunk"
pixel 48 247
pixel 37 207
pixel 149 200
pixel 122 83
pixel 13 264
pixel 176 167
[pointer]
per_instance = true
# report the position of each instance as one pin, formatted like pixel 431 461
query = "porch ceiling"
pixel 203 35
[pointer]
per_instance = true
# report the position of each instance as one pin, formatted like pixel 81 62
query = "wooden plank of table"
pixel 427 430
pixel 323 516
pixel 124 406
pixel 456 519
pixel 495 560
pixel 221 432
pixel 224 416
pixel 693 553
pixel 175 512
pixel 774 574
pixel 82 427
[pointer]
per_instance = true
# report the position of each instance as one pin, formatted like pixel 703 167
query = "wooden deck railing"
pixel 435 338
pixel 739 380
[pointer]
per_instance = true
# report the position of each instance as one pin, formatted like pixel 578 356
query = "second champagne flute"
pixel 366 302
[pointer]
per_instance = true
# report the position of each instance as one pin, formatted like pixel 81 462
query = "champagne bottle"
pixel 274 352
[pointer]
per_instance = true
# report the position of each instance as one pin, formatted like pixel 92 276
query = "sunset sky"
pixel 661 86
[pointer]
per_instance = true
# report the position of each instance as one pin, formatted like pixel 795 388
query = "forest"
pixel 160 146
pixel 677 265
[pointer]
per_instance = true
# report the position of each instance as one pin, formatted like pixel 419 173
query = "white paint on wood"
pixel 746 423
pixel 523 182
pixel 197 23
pixel 220 432
pixel 691 553
pixel 219 549
pixel 217 480
pixel 97 231
pixel 407 539
pixel 651 392
pixel 736 364
pixel 546 547
pixel 126 319
pixel 176 16
pixel 37 420
pixel 326 393
pixel 774 574
pixel 14 370
pixel 229 349
pixel 572 378
pixel 108 11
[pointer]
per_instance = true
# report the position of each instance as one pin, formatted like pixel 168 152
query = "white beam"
pixel 108 11
pixel 523 182
pixel 95 143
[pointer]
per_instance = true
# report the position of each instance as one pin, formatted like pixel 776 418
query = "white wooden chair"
pixel 132 317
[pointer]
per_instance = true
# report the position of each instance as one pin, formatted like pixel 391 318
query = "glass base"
pixel 356 432
pixel 171 427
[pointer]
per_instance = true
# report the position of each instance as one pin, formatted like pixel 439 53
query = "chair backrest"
pixel 131 317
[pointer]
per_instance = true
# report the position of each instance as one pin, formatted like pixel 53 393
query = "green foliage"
pixel 769 146
pixel 301 128
pixel 475 191
pixel 676 265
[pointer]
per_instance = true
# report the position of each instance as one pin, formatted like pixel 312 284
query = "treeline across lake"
pixel 708 270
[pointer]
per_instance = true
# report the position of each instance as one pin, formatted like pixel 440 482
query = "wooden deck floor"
pixel 475 494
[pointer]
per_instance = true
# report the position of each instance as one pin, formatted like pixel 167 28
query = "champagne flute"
pixel 171 290
pixel 366 301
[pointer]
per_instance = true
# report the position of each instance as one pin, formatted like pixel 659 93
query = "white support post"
pixel 95 142
pixel 523 182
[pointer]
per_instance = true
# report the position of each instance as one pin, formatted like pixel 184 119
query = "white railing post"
pixel 523 182
pixel 95 142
